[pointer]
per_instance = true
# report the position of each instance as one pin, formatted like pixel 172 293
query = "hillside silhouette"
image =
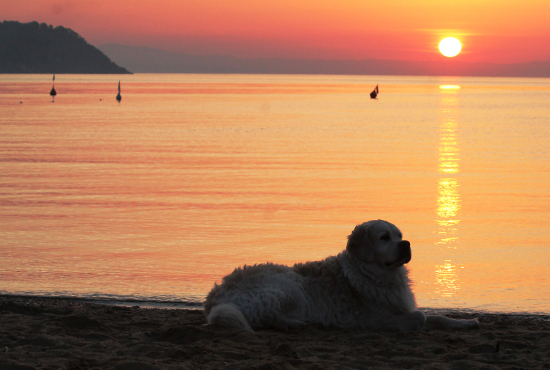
pixel 40 48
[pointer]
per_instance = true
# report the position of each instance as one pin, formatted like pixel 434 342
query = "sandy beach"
pixel 47 333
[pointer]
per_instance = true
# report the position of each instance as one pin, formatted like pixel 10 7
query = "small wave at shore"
pixel 119 301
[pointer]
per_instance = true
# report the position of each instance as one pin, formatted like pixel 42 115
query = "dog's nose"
pixel 405 248
pixel 405 255
pixel 404 244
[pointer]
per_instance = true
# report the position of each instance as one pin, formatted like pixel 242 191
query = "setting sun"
pixel 450 47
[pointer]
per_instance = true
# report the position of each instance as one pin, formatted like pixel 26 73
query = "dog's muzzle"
pixel 405 254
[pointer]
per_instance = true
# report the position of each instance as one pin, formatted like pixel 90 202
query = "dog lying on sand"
pixel 365 287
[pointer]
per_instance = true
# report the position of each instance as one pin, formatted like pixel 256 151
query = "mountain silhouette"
pixel 41 48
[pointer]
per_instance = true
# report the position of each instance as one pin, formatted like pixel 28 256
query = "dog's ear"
pixel 359 244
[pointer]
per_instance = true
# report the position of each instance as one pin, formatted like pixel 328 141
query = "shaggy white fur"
pixel 366 286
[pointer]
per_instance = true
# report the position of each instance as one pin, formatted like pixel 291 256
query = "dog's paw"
pixel 419 320
pixel 413 321
pixel 473 324
pixel 445 323
pixel 466 324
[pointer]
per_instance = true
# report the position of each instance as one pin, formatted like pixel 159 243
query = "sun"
pixel 450 47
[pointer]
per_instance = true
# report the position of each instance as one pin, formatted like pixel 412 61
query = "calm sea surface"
pixel 190 176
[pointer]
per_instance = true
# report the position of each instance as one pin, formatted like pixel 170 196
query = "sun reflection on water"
pixel 446 276
pixel 448 87
pixel 448 200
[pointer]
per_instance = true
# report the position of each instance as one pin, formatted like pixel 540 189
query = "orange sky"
pixel 499 31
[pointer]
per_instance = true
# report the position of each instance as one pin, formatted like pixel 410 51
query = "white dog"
pixel 366 286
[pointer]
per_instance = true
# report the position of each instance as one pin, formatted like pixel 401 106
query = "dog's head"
pixel 379 242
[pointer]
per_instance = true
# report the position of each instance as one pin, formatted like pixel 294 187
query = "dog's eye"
pixel 385 237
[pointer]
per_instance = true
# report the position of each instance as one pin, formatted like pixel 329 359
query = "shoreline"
pixel 53 333
pixel 193 305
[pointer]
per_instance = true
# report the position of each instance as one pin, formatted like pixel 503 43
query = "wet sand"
pixel 43 333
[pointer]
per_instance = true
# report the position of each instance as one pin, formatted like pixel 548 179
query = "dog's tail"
pixel 228 314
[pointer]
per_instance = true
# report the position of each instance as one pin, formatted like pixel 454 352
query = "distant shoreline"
pixel 62 73
pixel 151 60
pixel 272 74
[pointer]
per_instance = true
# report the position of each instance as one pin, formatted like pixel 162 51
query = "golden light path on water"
pixel 448 201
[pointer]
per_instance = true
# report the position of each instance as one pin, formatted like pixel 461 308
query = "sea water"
pixel 159 196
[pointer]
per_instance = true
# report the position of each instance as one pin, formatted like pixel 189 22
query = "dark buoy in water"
pixel 118 97
pixel 374 93
pixel 53 93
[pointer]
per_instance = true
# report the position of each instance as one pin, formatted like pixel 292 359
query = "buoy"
pixel 53 93
pixel 118 97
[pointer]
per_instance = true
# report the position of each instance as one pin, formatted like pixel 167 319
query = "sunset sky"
pixel 498 31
